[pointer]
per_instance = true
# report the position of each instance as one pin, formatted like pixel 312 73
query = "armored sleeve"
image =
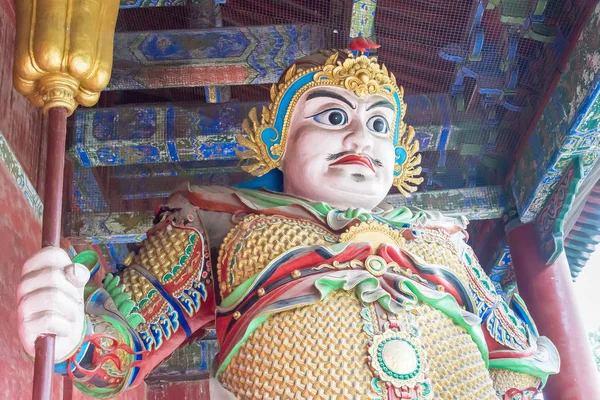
pixel 140 315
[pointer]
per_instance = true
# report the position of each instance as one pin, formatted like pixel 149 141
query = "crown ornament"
pixel 265 139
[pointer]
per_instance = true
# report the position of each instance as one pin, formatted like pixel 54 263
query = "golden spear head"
pixel 64 51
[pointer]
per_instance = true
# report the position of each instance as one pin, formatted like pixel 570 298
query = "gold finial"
pixel 63 51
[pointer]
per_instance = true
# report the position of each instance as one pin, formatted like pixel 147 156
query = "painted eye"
pixel 333 117
pixel 378 124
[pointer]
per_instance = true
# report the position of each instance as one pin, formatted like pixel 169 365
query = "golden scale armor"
pixel 299 347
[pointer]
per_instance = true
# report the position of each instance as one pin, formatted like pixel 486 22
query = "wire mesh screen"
pixel 473 72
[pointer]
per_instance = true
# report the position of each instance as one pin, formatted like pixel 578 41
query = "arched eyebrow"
pixel 382 103
pixel 325 93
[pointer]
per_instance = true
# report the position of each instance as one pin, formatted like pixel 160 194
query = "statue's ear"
pixel 273 180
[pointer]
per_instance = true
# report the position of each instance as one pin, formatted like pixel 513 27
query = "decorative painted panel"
pixel 87 192
pixel 363 19
pixel 151 3
pixel 210 57
pixel 551 218
pixel 102 228
pixel 158 133
pixel 569 127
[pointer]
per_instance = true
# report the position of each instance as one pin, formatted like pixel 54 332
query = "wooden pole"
pixel 51 227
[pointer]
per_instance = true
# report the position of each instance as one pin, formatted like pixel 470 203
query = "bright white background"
pixel 587 287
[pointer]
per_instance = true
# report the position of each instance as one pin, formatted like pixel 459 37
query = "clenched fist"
pixel 50 298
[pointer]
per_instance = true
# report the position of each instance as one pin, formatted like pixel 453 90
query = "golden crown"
pixel 265 141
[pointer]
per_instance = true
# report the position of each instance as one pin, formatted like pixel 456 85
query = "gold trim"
pixel 339 265
pixel 373 232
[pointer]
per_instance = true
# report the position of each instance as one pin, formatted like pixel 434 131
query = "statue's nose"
pixel 358 139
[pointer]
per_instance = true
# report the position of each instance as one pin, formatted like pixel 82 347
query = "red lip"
pixel 355 159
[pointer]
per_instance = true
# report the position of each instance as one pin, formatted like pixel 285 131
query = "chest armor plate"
pixel 337 348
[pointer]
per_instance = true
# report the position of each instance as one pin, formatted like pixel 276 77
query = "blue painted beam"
pixel 125 4
pixel 167 133
pixel 128 4
pixel 210 57
pixel 158 133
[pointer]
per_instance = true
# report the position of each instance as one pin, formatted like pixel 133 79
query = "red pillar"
pixel 549 294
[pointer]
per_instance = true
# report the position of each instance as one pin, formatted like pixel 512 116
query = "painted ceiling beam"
pixel 202 14
pixel 128 227
pixel 127 4
pixel 210 57
pixel 158 133
pixel 568 128
pixel 86 190
pixel 168 133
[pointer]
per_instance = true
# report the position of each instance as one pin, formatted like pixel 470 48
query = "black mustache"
pixel 335 156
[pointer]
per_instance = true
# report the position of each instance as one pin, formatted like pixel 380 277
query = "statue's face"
pixel 338 148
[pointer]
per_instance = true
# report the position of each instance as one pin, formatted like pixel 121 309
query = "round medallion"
pixel 399 358
pixel 376 265
pixel 396 358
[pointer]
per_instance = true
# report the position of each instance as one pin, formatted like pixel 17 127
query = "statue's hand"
pixel 50 298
